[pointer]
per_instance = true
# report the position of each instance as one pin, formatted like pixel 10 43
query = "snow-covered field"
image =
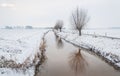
pixel 103 32
pixel 108 48
pixel 17 46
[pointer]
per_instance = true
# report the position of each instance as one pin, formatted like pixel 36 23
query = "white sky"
pixel 103 13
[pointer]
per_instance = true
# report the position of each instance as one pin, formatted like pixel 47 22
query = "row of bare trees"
pixel 79 18
pixel 59 25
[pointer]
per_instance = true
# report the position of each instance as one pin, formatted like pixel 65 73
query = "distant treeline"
pixel 25 27
pixel 18 27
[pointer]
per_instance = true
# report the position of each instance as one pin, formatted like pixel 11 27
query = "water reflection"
pixel 41 57
pixel 59 41
pixel 77 63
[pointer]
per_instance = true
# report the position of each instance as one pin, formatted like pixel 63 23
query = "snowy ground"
pixel 107 48
pixel 20 46
pixel 104 32
pixel 101 32
pixel 17 47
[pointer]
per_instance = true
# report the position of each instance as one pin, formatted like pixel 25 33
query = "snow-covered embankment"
pixel 106 48
pixel 18 47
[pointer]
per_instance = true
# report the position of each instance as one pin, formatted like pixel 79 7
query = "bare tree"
pixel 79 19
pixel 58 25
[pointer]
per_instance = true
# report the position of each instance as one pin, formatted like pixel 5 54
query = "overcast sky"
pixel 103 13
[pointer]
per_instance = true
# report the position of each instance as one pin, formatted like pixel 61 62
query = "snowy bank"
pixel 106 48
pixel 19 46
pixel 18 49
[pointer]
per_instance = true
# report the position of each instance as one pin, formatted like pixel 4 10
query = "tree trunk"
pixel 79 32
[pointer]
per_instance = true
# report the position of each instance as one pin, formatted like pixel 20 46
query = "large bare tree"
pixel 79 19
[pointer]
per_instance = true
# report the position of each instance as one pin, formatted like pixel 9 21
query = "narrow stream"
pixel 59 58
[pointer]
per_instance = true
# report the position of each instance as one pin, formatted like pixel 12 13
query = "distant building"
pixel 28 27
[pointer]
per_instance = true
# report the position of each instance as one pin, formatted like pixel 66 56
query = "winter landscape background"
pixel 59 38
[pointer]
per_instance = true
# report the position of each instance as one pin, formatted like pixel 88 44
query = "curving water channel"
pixel 59 58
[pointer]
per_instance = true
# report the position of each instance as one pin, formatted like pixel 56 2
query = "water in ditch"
pixel 59 58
